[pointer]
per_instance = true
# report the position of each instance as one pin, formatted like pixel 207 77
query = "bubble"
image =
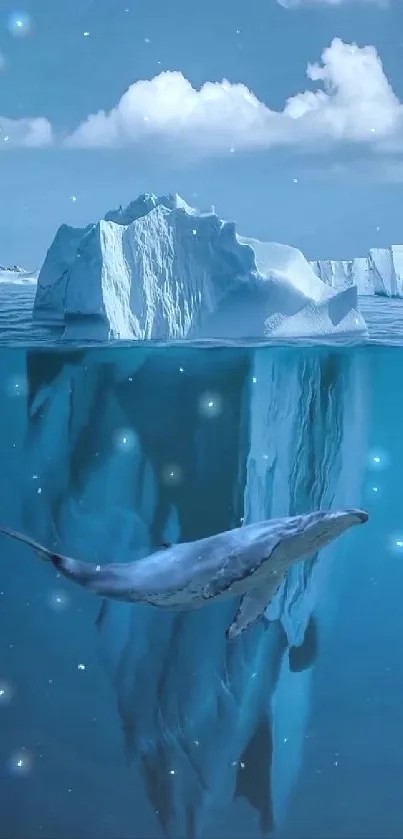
pixel 210 404
pixel 125 439
pixel 378 460
pixel 19 24
pixel 59 600
pixel 16 386
pixel 172 474
pixel 21 762
pixel 374 490
pixel 7 692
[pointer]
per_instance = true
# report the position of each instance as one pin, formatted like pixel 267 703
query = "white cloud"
pixel 167 106
pixel 31 133
pixel 353 102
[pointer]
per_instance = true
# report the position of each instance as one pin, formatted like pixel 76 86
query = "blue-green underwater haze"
pixel 141 724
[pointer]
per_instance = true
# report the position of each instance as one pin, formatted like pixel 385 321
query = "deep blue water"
pixel 148 725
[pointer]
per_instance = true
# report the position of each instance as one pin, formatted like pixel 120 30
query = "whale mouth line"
pixel 361 515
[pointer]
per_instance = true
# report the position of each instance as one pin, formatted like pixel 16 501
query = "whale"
pixel 249 562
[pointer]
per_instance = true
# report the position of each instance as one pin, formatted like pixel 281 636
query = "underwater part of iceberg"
pixel 245 436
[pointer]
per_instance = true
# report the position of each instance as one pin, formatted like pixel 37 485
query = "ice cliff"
pixel 379 273
pixel 159 269
pixel 246 435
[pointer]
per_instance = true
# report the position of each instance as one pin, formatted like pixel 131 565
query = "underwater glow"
pixel 172 474
pixel 6 692
pixel 396 542
pixel 210 404
pixel 125 440
pixel 59 600
pixel 19 24
pixel 378 459
pixel 21 762
pixel 16 386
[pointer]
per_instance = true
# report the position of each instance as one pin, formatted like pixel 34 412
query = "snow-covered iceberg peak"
pixel 147 202
pixel 160 269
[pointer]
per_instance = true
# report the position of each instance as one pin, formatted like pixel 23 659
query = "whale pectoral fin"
pixel 253 605
pixel 102 614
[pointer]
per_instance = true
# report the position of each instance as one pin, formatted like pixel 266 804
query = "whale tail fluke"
pixel 84 573
pixel 44 553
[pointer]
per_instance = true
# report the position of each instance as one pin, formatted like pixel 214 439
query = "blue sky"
pixel 322 171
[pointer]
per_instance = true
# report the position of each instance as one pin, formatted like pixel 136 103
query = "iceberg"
pixel 380 273
pixel 17 276
pixel 161 270
pixel 246 434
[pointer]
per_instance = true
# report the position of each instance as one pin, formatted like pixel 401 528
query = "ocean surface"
pixel 384 317
pixel 124 721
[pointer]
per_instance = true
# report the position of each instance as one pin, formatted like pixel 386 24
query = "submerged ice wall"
pixel 245 435
pixel 306 451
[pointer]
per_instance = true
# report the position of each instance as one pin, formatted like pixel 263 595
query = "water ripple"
pixel 384 317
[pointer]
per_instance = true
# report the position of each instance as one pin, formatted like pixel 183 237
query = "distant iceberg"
pixel 380 273
pixel 159 269
pixel 14 274
pixel 12 269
